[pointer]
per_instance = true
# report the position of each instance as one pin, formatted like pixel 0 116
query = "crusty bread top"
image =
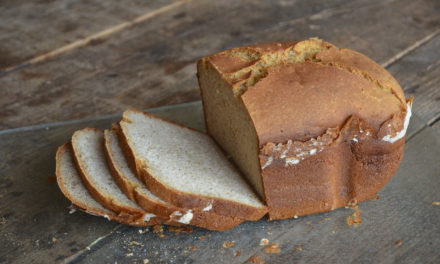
pixel 297 90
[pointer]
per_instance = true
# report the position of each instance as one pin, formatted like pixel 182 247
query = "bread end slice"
pixel 72 187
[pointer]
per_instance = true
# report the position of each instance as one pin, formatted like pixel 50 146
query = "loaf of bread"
pixel 313 127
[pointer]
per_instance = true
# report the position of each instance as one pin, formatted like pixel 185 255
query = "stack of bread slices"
pixel 146 171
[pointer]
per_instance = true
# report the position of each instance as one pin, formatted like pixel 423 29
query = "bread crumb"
pixel 143 231
pixel 193 248
pixel 146 261
pixel 129 254
pixel 398 243
pixel 178 230
pixel 3 221
pixel 228 244
pixel 272 249
pixel 299 249
pixel 256 259
pixel 374 197
pixel 352 203
pixel 327 218
pixel 136 243
pixel 355 218
pixel 269 233
pixel 202 237
pixel 185 252
pixel 54 240
pixel 160 235
pixel 157 229
pixel 264 242
pixel 295 216
pixel 436 203
pixel 237 253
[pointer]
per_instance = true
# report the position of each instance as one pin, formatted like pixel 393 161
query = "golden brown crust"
pixel 302 72
pixel 187 200
pixel 294 92
pixel 364 65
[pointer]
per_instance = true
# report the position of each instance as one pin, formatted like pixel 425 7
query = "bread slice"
pixel 89 154
pixel 186 168
pixel 138 192
pixel 73 189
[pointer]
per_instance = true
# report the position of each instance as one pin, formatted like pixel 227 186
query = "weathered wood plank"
pixel 33 211
pixel 152 64
pixel 31 28
pixel 419 75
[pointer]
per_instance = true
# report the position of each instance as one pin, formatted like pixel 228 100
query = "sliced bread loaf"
pixel 89 154
pixel 73 189
pixel 138 192
pixel 186 168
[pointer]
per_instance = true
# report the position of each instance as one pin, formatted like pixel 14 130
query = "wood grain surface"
pixel 30 29
pixel 152 63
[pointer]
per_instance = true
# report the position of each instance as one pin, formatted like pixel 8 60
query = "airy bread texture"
pixel 311 126
pixel 139 193
pixel 89 153
pixel 185 167
pixel 72 187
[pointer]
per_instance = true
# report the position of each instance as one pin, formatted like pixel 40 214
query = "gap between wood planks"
pixel 434 120
pixel 102 34
pixel 409 49
pixel 147 16
pixel 83 252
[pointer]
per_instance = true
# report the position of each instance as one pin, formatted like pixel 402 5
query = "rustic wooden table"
pixel 69 64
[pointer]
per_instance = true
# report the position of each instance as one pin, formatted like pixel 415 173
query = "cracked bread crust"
pixel 297 94
pixel 301 73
